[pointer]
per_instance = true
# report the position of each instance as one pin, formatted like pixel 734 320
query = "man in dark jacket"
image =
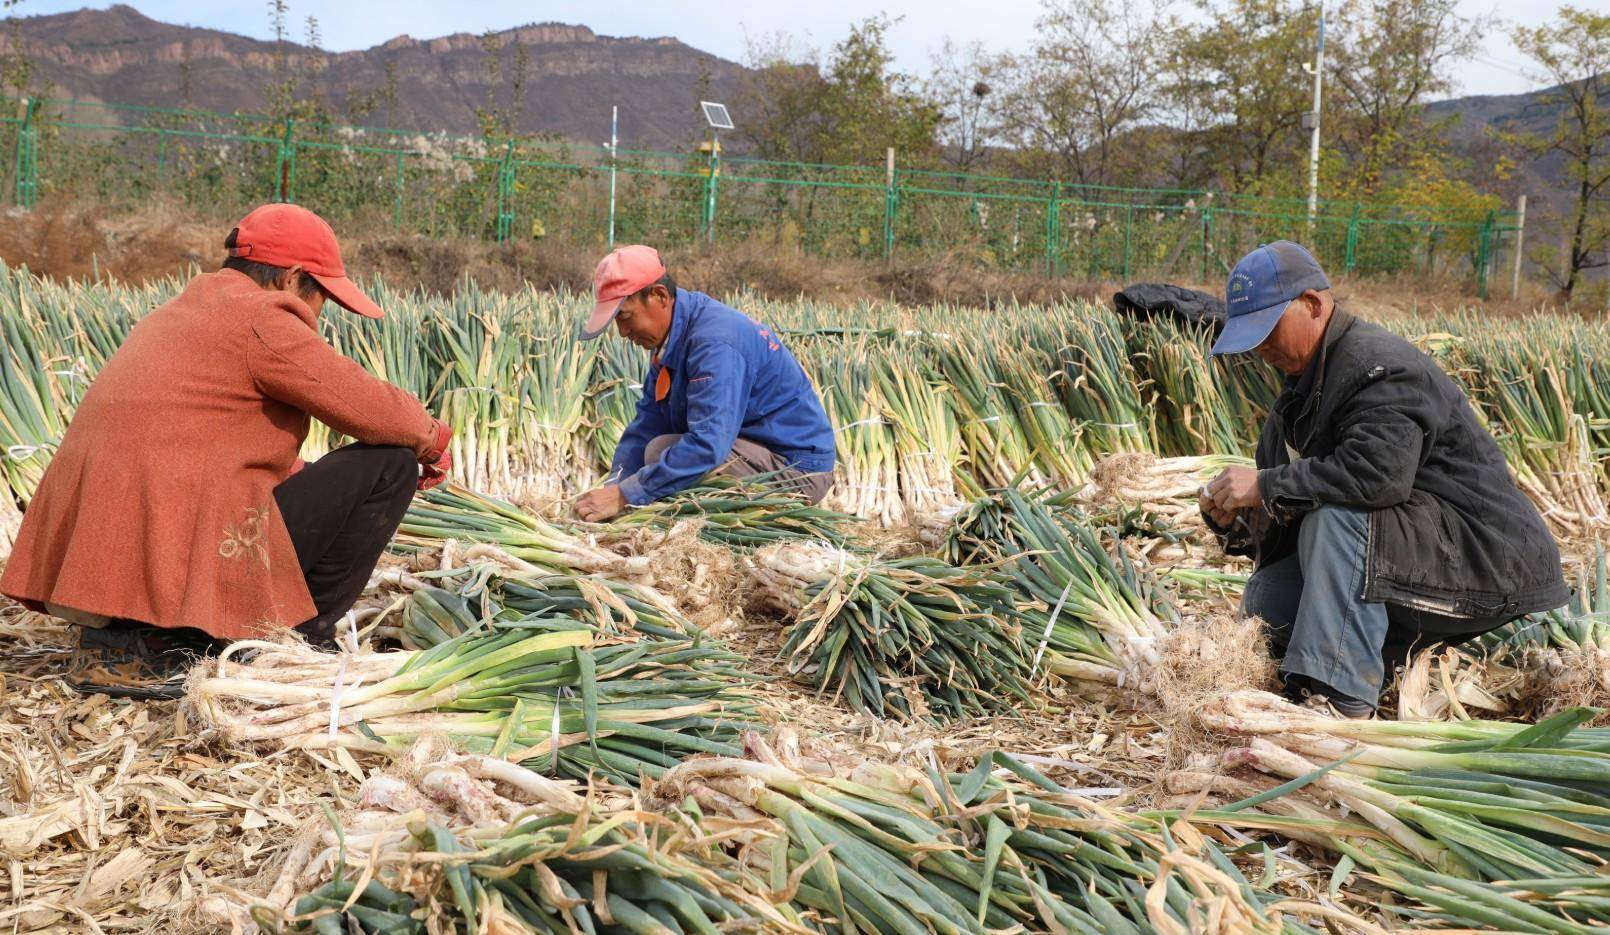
pixel 1381 514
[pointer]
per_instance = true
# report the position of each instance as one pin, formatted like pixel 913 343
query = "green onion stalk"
pixel 1187 388
pixel 911 637
pixel 1525 808
pixel 1001 848
pixel 1167 487
pixel 995 449
pixel 485 594
pixel 741 514
pixel 554 457
pixel 583 868
pixel 1094 616
pixel 453 513
pixel 548 693
pixel 616 388
pixel 867 476
pixel 928 444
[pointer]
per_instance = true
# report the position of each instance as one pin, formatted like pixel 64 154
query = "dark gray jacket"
pixel 1376 425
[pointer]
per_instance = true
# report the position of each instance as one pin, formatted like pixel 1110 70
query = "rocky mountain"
pixel 572 75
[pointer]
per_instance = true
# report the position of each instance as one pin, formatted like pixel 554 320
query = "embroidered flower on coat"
pixel 247 538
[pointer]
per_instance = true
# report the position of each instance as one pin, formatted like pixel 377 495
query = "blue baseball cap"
pixel 1260 288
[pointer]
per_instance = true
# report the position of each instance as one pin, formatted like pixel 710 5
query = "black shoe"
pixel 125 659
pixel 1302 690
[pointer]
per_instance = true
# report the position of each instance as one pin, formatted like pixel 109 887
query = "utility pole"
pixel 614 143
pixel 1311 122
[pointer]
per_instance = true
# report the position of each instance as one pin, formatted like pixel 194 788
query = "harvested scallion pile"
pixel 911 637
pixel 546 692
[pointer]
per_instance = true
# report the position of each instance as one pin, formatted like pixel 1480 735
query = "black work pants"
pixel 341 510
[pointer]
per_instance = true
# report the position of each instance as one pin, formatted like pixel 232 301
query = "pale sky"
pixel 722 28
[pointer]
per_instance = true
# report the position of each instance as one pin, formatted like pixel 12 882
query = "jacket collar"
pixel 1313 378
pixel 235 282
pixel 683 308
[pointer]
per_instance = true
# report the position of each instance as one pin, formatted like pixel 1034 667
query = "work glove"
pixel 432 475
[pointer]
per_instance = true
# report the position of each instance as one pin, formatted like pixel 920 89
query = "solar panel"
pixel 716 115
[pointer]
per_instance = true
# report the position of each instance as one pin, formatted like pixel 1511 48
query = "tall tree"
pixel 848 109
pixel 1384 60
pixel 1094 72
pixel 1236 84
pixel 1573 52
pixel 964 85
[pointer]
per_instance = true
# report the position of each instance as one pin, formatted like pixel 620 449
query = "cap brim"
pixel 348 296
pixel 603 313
pixel 1245 332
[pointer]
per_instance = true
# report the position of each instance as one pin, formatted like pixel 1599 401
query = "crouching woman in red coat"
pixel 176 513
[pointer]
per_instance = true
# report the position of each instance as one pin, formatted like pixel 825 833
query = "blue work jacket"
pixel 729 377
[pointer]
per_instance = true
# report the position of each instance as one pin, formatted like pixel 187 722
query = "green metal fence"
pixel 439 184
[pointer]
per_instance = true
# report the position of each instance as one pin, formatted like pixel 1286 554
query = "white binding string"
pixel 348 641
pixel 1046 636
pixel 985 419
pixel 24 452
pixel 873 421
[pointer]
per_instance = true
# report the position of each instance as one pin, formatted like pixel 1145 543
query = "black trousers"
pixel 341 510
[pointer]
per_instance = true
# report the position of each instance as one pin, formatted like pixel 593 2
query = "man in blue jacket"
pixel 722 394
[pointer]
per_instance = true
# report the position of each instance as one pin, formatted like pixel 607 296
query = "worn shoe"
pixel 1315 694
pixel 126 659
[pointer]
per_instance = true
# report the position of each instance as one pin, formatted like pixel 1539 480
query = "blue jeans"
pixel 1319 625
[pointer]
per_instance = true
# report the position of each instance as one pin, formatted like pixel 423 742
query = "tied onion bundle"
pixel 486 594
pixel 1000 848
pixel 1489 823
pixel 451 512
pixel 1583 624
pixel 912 637
pixel 1096 615
pixel 741 513
pixel 551 694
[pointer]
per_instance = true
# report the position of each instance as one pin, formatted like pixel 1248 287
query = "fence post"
pixel 505 220
pixel 1207 231
pixel 287 166
pixel 710 190
pixel 396 209
pixel 1129 224
pixel 889 205
pixel 28 156
pixel 1520 240
pixel 1484 254
pixel 1053 229
pixel 1352 240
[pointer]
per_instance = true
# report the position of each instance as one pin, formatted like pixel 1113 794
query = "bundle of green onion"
pixel 1487 822
pixel 549 693
pixel 912 637
pixel 742 513
pixel 584 869
pixel 1090 610
pixel 1000 848
pixel 485 594
pixel 451 512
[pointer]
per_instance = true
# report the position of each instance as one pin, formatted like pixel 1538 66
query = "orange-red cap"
pixel 624 272
pixel 291 235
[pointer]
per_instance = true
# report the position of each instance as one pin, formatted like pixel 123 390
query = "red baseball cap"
pixel 291 235
pixel 621 274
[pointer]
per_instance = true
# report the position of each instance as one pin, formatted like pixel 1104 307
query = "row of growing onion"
pixel 930 405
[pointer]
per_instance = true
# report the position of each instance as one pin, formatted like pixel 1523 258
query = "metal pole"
pixel 888 204
pixel 1520 241
pixel 1313 144
pixel 614 127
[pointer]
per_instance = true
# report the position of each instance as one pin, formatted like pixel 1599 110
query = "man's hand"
pixel 600 504
pixel 1221 518
pixel 432 475
pixel 1236 488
